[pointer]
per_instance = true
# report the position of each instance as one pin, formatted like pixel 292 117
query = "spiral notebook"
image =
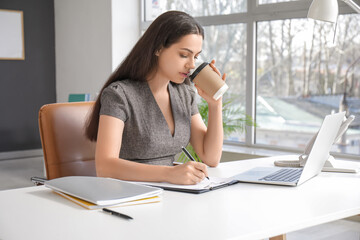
pixel 205 185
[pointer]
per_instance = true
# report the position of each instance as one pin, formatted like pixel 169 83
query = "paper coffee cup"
pixel 209 81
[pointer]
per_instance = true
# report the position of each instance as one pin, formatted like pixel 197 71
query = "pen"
pixel 116 213
pixel 189 156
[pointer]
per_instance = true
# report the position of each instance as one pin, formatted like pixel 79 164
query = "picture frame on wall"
pixel 12 46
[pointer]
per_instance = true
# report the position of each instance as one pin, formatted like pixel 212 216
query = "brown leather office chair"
pixel 67 152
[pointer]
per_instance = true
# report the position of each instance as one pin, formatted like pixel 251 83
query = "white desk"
pixel 241 211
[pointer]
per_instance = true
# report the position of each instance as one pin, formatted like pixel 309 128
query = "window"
pixel 275 1
pixel 197 7
pixel 301 77
pixel 219 44
pixel 284 70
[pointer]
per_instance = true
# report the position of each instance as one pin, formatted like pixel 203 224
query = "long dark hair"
pixel 166 30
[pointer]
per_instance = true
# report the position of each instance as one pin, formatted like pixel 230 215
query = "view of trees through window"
pixel 227 45
pixel 305 69
pixel 304 73
pixel 196 7
pixel 275 1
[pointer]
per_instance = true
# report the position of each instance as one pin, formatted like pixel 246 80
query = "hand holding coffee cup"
pixel 208 79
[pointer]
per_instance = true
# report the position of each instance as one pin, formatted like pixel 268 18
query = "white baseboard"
pixel 21 154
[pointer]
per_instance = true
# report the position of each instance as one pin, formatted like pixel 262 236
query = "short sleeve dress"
pixel 146 136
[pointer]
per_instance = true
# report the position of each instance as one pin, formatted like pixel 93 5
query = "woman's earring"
pixel 157 53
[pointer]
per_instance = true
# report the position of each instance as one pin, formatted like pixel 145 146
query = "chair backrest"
pixel 67 152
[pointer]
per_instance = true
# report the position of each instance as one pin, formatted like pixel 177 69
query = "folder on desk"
pixel 81 97
pixel 92 206
pixel 102 191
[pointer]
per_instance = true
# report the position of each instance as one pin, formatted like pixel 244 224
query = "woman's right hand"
pixel 188 173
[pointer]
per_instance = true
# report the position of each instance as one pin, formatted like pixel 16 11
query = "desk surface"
pixel 241 211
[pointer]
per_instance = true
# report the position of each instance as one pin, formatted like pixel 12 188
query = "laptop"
pixel 313 166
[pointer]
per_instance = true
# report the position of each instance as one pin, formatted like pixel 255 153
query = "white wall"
pixel 125 28
pixel 88 42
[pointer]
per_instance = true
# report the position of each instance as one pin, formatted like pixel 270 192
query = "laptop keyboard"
pixel 284 175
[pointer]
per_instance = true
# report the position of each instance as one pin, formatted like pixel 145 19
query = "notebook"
pixel 315 162
pixel 205 185
pixel 102 191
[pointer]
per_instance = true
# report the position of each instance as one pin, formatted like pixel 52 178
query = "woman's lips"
pixel 185 75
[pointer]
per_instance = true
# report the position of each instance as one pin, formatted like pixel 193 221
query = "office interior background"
pixel 285 71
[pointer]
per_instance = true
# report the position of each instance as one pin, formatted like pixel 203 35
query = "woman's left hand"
pixel 205 96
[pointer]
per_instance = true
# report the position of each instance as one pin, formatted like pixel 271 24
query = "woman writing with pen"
pixel 146 112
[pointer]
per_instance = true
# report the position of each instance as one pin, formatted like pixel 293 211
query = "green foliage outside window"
pixel 234 120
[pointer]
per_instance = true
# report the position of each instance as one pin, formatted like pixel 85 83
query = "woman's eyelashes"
pixel 186 56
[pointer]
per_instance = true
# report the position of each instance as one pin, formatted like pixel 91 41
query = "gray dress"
pixel 146 136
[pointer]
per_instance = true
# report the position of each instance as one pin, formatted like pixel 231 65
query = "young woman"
pixel 146 112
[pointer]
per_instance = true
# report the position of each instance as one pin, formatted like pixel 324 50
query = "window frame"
pixel 255 13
